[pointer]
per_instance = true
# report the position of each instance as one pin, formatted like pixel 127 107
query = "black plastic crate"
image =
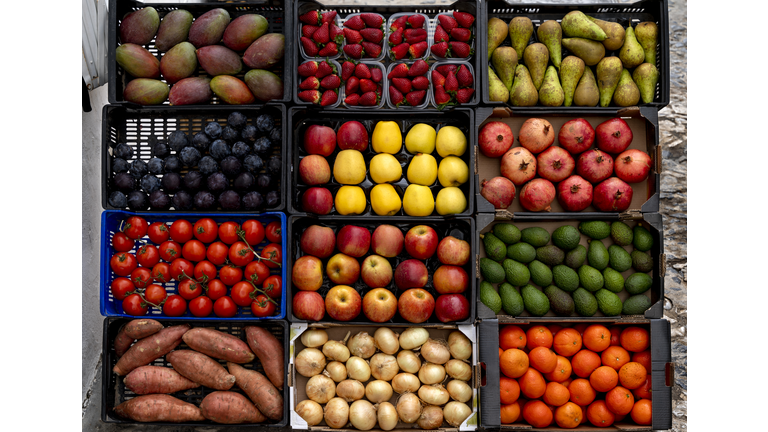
pixel 114 391
pixel 277 13
pixel 634 13
pixel 461 228
pixel 135 126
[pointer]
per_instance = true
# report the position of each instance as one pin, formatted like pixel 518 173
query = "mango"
pixel 173 29
pixel 219 60
pixel 209 27
pixel 139 27
pixel 145 91
pixel 265 52
pixel 231 90
pixel 191 91
pixel 264 84
pixel 243 30
pixel 179 62
pixel 137 61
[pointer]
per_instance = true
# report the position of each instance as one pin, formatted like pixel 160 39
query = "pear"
pixel 631 53
pixel 551 93
pixel 520 31
pixel 497 32
pixel 608 73
pixel 586 93
pixel 646 76
pixel 613 30
pixel 551 34
pixel 576 24
pixel 504 60
pixel 571 71
pixel 536 58
pixel 497 91
pixel 647 35
pixel 523 93
pixel 627 93
pixel 588 50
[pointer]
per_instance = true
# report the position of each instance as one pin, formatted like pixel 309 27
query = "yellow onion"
pixel 337 413
pixel 431 373
pixel 358 369
pixel 434 394
pixel 459 390
pixel 435 351
pixel 378 391
pixel 362 415
pixel 336 371
pixel 458 369
pixel 314 338
pixel 310 411
pixel 459 345
pixel 384 366
pixel 408 361
pixel 409 408
pixel 387 415
pixel 336 350
pixel 321 389
pixel 350 390
pixel 413 337
pixel 431 417
pixel 310 362
pixel 362 345
pixel 456 412
pixel 405 382
pixel 386 340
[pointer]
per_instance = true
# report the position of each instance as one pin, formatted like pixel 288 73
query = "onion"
pixel 459 390
pixel 362 345
pixel 336 350
pixel 459 345
pixel 378 391
pixel 362 415
pixel 431 373
pixel 409 408
pixel 358 369
pixel 336 371
pixel 321 389
pixel 310 411
pixel 431 417
pixel 310 362
pixel 413 337
pixel 384 366
pixel 405 382
pixel 387 415
pixel 456 412
pixel 434 394
pixel 314 338
pixel 337 413
pixel 408 361
pixel 458 369
pixel 350 390
pixel 435 351
pixel 386 340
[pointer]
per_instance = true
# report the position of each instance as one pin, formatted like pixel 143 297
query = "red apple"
pixel 379 305
pixel 613 136
pixel 308 305
pixel 317 200
pixel 421 242
pixel 449 279
pixel 376 271
pixel 416 305
pixel 352 135
pixel 495 139
pixel 307 273
pixel 318 241
pixel 411 273
pixel 319 140
pixel 453 251
pixel 452 307
pixel 342 269
pixel 343 303
pixel 353 240
pixel 387 241
pixel 314 170
pixel 576 136
pixel 632 166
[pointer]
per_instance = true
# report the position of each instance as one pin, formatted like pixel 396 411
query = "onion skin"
pixel 384 366
pixel 405 382
pixel 435 351
pixel 434 394
pixel 310 411
pixel 321 389
pixel 409 408
pixel 358 369
pixel 362 415
pixel 350 390
pixel 310 362
pixel 456 412
pixel 336 413
pixel 413 337
pixel 427 376
pixel 387 415
pixel 314 338
pixel 386 341
pixel 362 345
pixel 431 417
pixel 459 390
pixel 459 345
pixel 408 361
pixel 458 369
pixel 336 371
pixel 336 350
pixel 378 391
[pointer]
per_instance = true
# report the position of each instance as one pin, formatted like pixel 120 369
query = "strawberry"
pixel 311 83
pixel 464 19
pixel 416 21
pixel 396 37
pixel 373 20
pixel 441 35
pixel 352 99
pixel 328 16
pixel 399 71
pixel 420 83
pixel 415 98
pixel 308 69
pixel 329 98
pixel 438 79
pixel 347 69
pixel 352 36
pixel 376 75
pixel 367 85
pixel 464 76
pixel 371 49
pixel 446 68
pixel 440 49
pixel 308 30
pixel 402 84
pixel 354 51
pixel 419 67
pixel 461 34
pixel 372 34
pixel 417 50
pixel 441 97
pixel 451 83
pixel 447 22
pixel 369 99
pixel 362 71
pixel 310 48
pixel 331 82
pixel 323 34
pixel 399 23
pixel 337 34
pixel 460 49
pixel 395 97
pixel 413 36
pixel 353 83
pixel 355 23
pixel 324 69
pixel 310 96
pixel 311 18
pixel 464 95
pixel 400 51
pixel 330 49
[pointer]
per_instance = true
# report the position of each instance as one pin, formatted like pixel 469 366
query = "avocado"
pixel 613 280
pixel 535 236
pixel 495 249
pixel 597 255
pixel 638 283
pixel 576 257
pixel 507 232
pixel 566 237
pixel 643 240
pixel 621 233
pixel 511 300
pixel 596 230
pixel 584 302
pixel 636 305
pixel 608 303
pixel 490 297
pixel 560 302
pixel 491 271
pixel 618 258
pixel 590 278
pixel 536 303
pixel 521 252
pixel 550 255
pixel 641 261
pixel 517 273
pixel 541 275
pixel 565 278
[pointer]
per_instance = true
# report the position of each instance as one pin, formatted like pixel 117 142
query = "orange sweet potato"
pixel 269 351
pixel 157 379
pixel 136 329
pixel 230 408
pixel 150 348
pixel 218 345
pixel 159 408
pixel 201 369
pixel 258 388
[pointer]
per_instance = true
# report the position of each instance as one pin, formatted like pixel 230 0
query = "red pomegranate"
pixel 612 194
pixel 576 136
pixel 495 139
pixel 613 136
pixel 499 191
pixel 594 165
pixel 632 166
pixel 537 195
pixel 555 164
pixel 536 135
pixel 518 165
pixel 574 193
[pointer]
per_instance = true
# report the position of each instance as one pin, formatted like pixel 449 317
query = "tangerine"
pixel 537 414
pixel 619 400
pixel 615 357
pixel 582 392
pixel 562 370
pixel 510 413
pixel 634 339
pixel 532 384
pixel 539 335
pixel 585 362
pixel 511 336
pixel 645 390
pixel 642 412
pixel 604 378
pixel 569 415
pixel 513 362
pixel 510 390
pixel 644 358
pixel 599 414
pixel 542 359
pixel 597 337
pixel 567 342
pixel 632 375
pixel 556 394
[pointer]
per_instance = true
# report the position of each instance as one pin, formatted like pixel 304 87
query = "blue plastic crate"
pixel 110 224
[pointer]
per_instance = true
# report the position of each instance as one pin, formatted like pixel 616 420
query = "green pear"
pixel 586 93
pixel 627 93
pixel 551 93
pixel 646 76
pixel 608 73
pixel 613 30
pixel 523 92
pixel 551 34
pixel 497 91
pixel 647 35
pixel 504 60
pixel 571 71
pixel 588 50
pixel 536 58
pixel 631 53
pixel 520 31
pixel 576 24
pixel 497 32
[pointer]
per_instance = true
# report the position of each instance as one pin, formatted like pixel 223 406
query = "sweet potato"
pixel 201 369
pixel 157 379
pixel 269 351
pixel 258 388
pixel 136 329
pixel 218 345
pixel 159 408
pixel 230 408
pixel 122 342
pixel 150 348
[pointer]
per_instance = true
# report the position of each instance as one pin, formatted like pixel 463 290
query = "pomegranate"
pixel 518 165
pixel 594 165
pixel 499 191
pixel 495 139
pixel 537 195
pixel 536 135
pixel 610 195
pixel 613 136
pixel 574 193
pixel 576 135
pixel 555 164
pixel 632 166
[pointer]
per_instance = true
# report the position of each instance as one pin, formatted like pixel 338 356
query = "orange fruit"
pixel 619 400
pixel 582 393
pixel 599 414
pixel 615 333
pixel 513 363
pixel 554 328
pixel 615 357
pixel 543 359
pixel 569 415
pixel 511 336
pixel 645 390
pixel 580 327
pixel 556 394
pixel 532 384
pixel 632 375
pixel 634 339
pixel 510 390
pixel 597 337
pixel 510 413
pixel 585 362
pixel 567 382
pixel 562 370
pixel 642 412
pixel 537 414
pixel 501 351
pixel 539 335
pixel 567 342
pixel 604 378
pixel 644 358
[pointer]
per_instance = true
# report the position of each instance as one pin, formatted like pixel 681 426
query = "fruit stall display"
pixel 393 164
pixel 604 55
pixel 191 265
pixel 378 270
pixel 199 54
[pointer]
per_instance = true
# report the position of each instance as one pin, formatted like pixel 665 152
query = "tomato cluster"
pixel 206 259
